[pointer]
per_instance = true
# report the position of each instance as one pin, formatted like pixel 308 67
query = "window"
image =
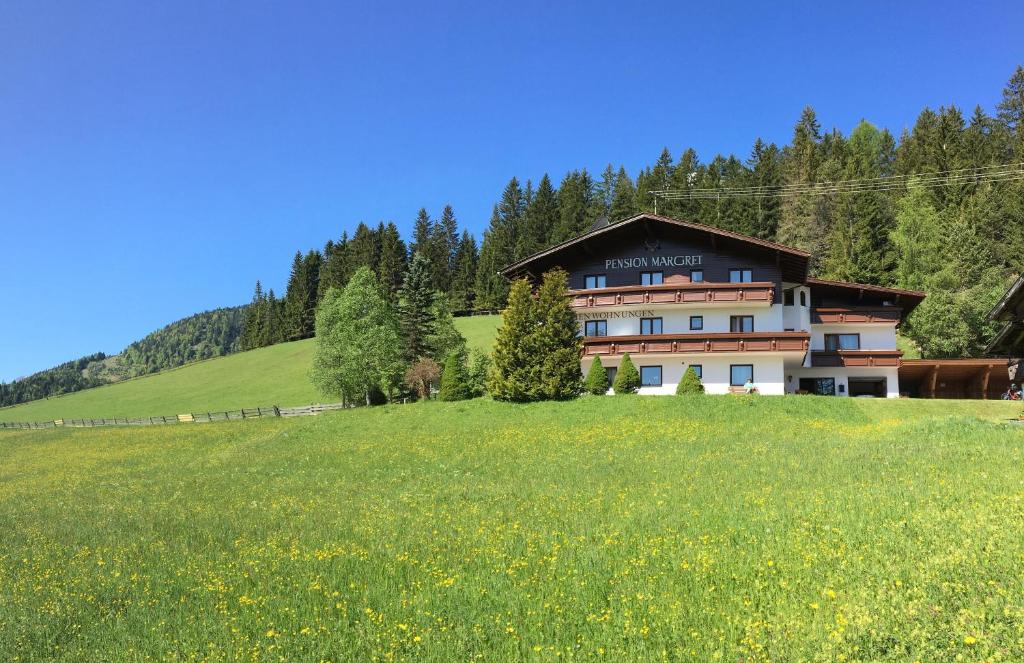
pixel 698 369
pixel 835 342
pixel 740 373
pixel 696 276
pixel 611 372
pixel 819 386
pixel 650 325
pixel 650 376
pixel 696 322
pixel 740 276
pixel 596 281
pixel 595 328
pixel 652 278
pixel 803 298
pixel 741 323
pixel 787 297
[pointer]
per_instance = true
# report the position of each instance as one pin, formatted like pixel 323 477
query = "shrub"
pixel 422 375
pixel 597 378
pixel 689 383
pixel 479 370
pixel 627 379
pixel 455 384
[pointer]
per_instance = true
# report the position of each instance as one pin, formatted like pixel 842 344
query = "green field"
pixel 277 375
pixel 708 528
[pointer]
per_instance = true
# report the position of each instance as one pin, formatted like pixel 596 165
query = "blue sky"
pixel 157 158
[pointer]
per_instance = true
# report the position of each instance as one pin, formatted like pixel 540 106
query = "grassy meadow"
pixel 276 375
pixel 706 528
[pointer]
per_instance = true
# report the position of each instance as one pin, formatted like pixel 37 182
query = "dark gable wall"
pixel 716 263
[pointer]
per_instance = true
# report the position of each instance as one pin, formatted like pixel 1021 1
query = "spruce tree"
pixel 295 298
pixel 627 378
pixel 597 378
pixel 443 246
pixel 576 202
pixel 624 201
pixel 393 259
pixel 443 338
pixel 334 272
pixel 516 375
pixel 479 371
pixel 416 305
pixel 462 293
pixel 539 220
pixel 455 383
pixel 689 383
pixel 252 328
pixel 422 233
pixel 491 289
pixel 558 344
pixel 363 250
pixel 766 172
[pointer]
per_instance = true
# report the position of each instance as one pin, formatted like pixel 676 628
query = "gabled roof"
pixel 795 259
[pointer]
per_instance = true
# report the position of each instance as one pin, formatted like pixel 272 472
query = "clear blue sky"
pixel 156 160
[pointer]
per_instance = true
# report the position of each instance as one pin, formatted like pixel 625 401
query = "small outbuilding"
pixel 954 378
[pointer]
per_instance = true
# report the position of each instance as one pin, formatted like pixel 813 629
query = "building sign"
pixel 607 315
pixel 653 261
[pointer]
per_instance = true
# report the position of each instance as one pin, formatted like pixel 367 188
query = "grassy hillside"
pixel 277 375
pixel 724 528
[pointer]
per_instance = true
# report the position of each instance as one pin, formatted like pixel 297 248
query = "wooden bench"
pixel 741 390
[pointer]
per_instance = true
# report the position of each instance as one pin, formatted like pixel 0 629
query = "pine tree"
pixel 363 249
pixel 918 239
pixel 516 375
pixel 597 378
pixel 461 293
pixel 479 371
pixel 417 309
pixel 539 220
pixel 422 233
pixel 800 225
pixel 335 270
pixel 393 259
pixel 689 383
pixel 1011 111
pixel 252 328
pixel 491 289
pixel 510 211
pixel 766 173
pixel 627 378
pixel 685 174
pixel 624 203
pixel 295 299
pixel 558 342
pixel 455 383
pixel 443 338
pixel 576 201
pixel 444 244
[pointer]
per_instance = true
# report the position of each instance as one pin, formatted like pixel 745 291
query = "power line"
pixel 1000 173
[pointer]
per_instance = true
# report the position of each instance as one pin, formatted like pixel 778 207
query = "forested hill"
pixel 201 336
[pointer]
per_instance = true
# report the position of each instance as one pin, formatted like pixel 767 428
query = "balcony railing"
pixel 674 293
pixel 854 358
pixel 694 342
pixel 828 316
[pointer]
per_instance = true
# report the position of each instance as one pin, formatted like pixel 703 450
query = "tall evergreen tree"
pixel 516 375
pixel 422 233
pixel 576 206
pixel 558 344
pixel 461 292
pixel 539 219
pixel 363 250
pixel 335 271
pixel 766 173
pixel 624 202
pixel 252 328
pixel 393 259
pixel 417 309
pixel 800 225
pixel 443 246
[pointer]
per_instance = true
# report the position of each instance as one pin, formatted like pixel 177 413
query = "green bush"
pixel 627 379
pixel 455 385
pixel 479 370
pixel 689 383
pixel 597 379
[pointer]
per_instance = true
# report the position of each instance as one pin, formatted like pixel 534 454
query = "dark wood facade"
pixel 855 358
pixel 697 342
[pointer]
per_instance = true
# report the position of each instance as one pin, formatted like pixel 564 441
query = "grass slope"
pixel 278 375
pixel 715 528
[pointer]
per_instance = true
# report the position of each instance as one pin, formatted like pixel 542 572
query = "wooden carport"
pixel 954 378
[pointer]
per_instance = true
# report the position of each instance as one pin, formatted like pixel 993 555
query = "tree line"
pixel 959 239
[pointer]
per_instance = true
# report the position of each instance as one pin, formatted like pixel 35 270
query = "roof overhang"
pixel 792 262
pixel 1011 304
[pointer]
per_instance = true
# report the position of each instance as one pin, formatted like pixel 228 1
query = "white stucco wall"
pixel 769 374
pixel 872 336
pixel 842 377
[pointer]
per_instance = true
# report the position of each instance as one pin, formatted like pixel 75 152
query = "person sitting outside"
pixel 748 387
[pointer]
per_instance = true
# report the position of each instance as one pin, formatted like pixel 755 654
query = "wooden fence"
pixel 188 418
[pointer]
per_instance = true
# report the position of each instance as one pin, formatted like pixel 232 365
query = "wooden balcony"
pixel 674 293
pixel 855 358
pixel 880 315
pixel 697 342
